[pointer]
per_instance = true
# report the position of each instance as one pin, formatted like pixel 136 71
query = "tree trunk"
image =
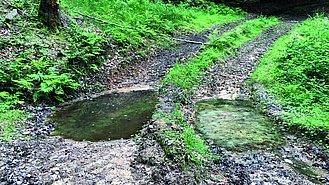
pixel 49 13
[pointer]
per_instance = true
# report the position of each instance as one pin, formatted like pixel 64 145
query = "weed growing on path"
pixel 184 145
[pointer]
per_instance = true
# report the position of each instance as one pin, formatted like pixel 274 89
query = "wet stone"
pixel 107 117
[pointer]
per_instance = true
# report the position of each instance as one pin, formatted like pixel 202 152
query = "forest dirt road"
pixel 57 161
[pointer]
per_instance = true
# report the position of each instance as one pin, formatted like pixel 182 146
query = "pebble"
pixel 288 161
pixel 11 15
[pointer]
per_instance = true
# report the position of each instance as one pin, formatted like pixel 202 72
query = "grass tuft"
pixel 184 145
pixel 197 149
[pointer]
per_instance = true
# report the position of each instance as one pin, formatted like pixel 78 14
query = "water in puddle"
pixel 236 125
pixel 112 116
pixel 311 172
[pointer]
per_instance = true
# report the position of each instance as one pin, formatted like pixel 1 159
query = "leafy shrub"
pixel 84 48
pixel 46 66
pixel 8 101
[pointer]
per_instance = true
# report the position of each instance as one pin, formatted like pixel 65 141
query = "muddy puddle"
pixel 107 117
pixel 236 125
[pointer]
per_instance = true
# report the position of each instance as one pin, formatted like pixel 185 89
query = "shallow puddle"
pixel 236 125
pixel 112 116
pixel 307 169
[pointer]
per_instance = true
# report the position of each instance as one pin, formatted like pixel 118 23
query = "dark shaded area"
pixel 297 9
pixel 292 9
pixel 112 116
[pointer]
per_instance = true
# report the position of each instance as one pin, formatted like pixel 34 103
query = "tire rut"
pixel 151 70
pixel 226 79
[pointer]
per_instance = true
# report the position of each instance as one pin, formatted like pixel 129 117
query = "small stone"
pixel 288 161
pixel 26 133
pixel 11 15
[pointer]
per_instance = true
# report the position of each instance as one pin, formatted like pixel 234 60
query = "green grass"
pixel 187 75
pixel 9 123
pixel 296 71
pixel 196 147
pixel 203 21
pixel 212 15
pixel 10 117
pixel 144 23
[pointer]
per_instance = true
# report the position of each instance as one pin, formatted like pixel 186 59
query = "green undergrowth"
pixel 38 64
pixel 10 118
pixel 188 75
pixel 144 23
pixel 183 145
pixel 296 71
